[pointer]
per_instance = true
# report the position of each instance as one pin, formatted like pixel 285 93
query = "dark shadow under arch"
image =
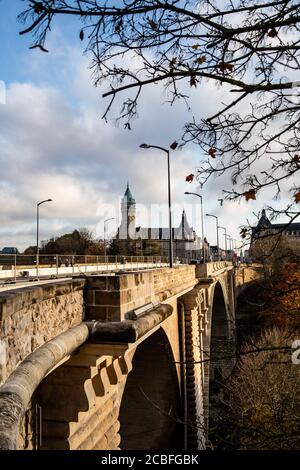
pixel 219 324
pixel 220 365
pixel 218 339
pixel 150 407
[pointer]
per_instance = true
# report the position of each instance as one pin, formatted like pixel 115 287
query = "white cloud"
pixel 54 144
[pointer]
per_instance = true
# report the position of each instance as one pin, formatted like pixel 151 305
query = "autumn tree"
pixel 30 250
pixel 138 247
pixel 78 242
pixel 251 49
pixel 261 407
pixel 150 248
pixel 281 300
pixel 115 248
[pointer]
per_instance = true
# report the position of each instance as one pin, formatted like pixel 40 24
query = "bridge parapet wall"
pixel 110 298
pixel 33 315
pixel 213 269
pixel 246 275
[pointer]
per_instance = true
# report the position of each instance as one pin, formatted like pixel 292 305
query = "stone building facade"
pixel 269 241
pixel 186 243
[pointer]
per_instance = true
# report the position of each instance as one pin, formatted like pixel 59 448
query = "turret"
pixel 128 210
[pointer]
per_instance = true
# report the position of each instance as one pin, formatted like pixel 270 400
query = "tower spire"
pixel 127 227
pixel 128 198
pixel 263 221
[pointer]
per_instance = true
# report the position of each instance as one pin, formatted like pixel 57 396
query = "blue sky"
pixel 15 52
pixel 53 143
pixel 12 47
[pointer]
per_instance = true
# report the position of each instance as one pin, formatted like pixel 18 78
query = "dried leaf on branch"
pixel 190 178
pixel 250 195
pixel 212 152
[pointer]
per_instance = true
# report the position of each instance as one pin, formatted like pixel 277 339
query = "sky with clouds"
pixel 53 143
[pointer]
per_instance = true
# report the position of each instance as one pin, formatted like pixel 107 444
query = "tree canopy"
pixel 249 48
pixel 79 242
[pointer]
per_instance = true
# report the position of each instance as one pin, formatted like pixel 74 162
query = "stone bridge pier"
pixel 119 361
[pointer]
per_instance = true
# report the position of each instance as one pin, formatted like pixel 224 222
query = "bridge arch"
pixel 150 406
pixel 218 337
pixel 219 312
pixel 220 345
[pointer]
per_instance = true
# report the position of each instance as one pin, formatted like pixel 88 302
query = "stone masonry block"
pixel 90 297
pixel 63 289
pixel 123 282
pixel 107 298
pixel 97 313
pixel 97 283
pixel 49 292
pixel 113 314
pixel 113 283
pixel 126 296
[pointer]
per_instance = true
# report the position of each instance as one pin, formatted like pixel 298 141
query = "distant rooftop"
pixel 265 223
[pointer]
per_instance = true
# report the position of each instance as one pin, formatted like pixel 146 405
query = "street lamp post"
pixel 217 225
pixel 202 222
pixel 147 146
pixel 104 230
pixel 230 244
pixel 224 228
pixel 37 234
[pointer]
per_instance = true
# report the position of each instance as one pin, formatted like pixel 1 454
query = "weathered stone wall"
pixel 212 269
pixel 195 319
pixel 167 282
pixel 110 298
pixel 33 315
pixel 90 388
pixel 245 275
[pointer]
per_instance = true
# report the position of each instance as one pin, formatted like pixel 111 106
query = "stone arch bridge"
pixel 118 361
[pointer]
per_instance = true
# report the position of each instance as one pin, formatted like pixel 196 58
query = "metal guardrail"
pixel 16 266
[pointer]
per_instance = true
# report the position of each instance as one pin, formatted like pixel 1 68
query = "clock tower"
pixel 128 210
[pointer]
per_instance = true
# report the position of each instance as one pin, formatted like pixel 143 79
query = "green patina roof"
pixel 128 195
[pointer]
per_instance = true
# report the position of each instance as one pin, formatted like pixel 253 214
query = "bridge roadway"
pixel 11 279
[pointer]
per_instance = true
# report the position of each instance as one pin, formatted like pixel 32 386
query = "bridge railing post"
pixel 15 263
